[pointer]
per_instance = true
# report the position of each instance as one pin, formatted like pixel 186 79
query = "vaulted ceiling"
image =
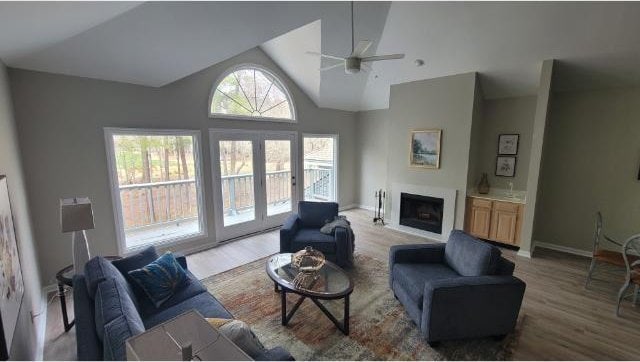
pixel 597 44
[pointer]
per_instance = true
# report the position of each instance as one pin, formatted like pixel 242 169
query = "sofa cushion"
pixel 160 279
pixel 412 276
pixel 316 214
pixel 469 256
pixel 192 287
pixel 136 261
pixel 315 239
pixel 111 301
pixel 99 269
pixel 116 334
pixel 204 303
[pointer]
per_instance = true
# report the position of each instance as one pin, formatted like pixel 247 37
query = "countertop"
pixel 519 197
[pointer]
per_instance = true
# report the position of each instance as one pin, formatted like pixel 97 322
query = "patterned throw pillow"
pixel 160 279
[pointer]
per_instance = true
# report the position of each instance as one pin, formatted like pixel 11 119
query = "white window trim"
pixel 109 132
pixel 277 80
pixel 336 142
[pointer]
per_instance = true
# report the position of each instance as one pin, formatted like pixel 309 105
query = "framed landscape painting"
pixel 11 284
pixel 425 148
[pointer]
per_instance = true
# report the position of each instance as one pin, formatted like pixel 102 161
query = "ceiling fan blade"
pixel 325 55
pixel 332 66
pixel 382 57
pixel 361 48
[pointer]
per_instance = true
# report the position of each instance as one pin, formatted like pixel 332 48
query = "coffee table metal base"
pixel 286 317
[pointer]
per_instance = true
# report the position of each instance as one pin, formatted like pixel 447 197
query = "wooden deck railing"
pixel 153 203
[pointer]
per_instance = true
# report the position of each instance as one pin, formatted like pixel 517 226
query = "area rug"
pixel 380 328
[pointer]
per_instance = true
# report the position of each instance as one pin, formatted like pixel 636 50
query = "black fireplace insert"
pixel 421 212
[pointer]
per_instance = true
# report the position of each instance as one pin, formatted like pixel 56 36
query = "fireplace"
pixel 421 212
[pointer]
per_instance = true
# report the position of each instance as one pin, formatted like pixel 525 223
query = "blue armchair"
pixel 303 229
pixel 461 289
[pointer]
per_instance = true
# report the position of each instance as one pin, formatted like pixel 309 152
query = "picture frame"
pixel 11 282
pixel 506 166
pixel 424 148
pixel 508 143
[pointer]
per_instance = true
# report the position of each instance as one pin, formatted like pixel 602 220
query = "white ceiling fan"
pixel 356 60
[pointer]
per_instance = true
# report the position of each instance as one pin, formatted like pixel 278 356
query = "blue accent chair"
pixel 460 289
pixel 303 229
pixel 109 308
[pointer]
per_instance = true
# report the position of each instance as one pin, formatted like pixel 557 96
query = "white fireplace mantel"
pixel 449 212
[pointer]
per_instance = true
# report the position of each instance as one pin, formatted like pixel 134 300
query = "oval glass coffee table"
pixel 328 283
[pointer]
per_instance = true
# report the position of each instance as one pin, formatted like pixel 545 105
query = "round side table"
pixel 65 277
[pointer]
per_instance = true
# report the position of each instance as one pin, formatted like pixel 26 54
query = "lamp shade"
pixel 76 214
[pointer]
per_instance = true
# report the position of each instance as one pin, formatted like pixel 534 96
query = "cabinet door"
pixel 480 220
pixel 504 222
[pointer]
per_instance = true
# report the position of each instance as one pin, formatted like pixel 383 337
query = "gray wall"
pixel 591 162
pixel 442 103
pixel 538 139
pixel 61 120
pixel 506 115
pixel 25 337
pixel 476 141
pixel 372 152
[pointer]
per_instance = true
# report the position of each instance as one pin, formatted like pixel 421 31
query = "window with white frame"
pixel 251 92
pixel 156 186
pixel 320 162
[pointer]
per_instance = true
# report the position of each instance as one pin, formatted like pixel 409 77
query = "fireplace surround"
pixel 449 195
pixel 421 212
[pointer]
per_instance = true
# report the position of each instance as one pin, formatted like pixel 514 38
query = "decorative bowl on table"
pixel 308 260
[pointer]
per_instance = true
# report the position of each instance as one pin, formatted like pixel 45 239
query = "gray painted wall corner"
pixel 537 146
pixel 28 332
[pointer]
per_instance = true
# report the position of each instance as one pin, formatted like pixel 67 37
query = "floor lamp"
pixel 76 215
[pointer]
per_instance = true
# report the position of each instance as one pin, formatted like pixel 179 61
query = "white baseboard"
pixel 366 207
pixel 348 207
pixel 524 254
pixel 564 249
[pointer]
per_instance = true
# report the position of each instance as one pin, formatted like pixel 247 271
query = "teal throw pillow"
pixel 160 279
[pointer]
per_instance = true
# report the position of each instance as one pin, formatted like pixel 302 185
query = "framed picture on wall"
pixel 11 285
pixel 508 144
pixel 506 166
pixel 425 148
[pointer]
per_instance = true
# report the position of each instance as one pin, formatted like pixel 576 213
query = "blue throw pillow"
pixel 160 279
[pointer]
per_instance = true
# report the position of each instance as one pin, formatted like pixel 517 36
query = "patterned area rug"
pixel 380 328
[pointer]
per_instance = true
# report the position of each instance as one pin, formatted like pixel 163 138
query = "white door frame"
pixel 261 220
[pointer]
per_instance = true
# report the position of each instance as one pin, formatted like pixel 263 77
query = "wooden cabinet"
pixel 494 220
pixel 479 218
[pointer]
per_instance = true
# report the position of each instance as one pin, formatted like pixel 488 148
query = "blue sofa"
pixel 461 289
pixel 303 229
pixel 109 308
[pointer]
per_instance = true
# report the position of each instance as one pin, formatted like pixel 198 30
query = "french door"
pixel 254 177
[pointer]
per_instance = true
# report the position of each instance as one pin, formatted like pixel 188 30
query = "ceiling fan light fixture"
pixel 352 65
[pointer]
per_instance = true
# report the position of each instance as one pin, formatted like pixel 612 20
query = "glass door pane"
pixel 277 155
pixel 320 168
pixel 237 179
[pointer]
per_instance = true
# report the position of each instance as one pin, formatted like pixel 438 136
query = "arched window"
pixel 251 92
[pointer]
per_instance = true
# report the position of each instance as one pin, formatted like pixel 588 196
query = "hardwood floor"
pixel 559 319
